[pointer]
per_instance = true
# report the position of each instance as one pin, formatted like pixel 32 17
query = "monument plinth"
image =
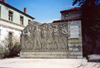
pixel 52 40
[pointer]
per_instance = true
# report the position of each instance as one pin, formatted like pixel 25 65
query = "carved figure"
pixel 29 42
pixel 44 38
pixel 33 36
pixel 55 35
pixel 63 38
pixel 49 36
pixel 37 40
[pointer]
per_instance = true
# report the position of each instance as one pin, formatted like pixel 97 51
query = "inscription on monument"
pixel 74 31
pixel 74 41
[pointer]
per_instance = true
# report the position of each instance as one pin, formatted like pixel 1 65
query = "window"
pixel 10 39
pixel 21 20
pixel 10 36
pixel 10 15
pixel 66 16
pixel 29 21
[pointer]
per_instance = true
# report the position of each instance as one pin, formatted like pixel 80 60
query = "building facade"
pixel 12 20
pixel 73 14
pixel 70 13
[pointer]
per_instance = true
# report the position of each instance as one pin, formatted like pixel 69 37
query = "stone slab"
pixel 51 55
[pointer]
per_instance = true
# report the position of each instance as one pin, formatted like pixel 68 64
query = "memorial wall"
pixel 52 40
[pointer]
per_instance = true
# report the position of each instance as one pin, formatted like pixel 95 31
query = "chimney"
pixel 25 10
pixel 4 1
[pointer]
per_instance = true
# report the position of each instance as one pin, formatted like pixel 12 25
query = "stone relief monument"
pixel 51 40
pixel 45 37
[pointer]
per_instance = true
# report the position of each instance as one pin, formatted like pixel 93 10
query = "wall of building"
pixel 16 15
pixel 4 32
pixel 13 26
pixel 70 14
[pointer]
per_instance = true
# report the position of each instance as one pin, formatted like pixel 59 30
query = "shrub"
pixel 10 48
pixel 15 50
pixel 1 51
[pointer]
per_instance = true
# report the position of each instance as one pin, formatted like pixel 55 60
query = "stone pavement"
pixel 47 63
pixel 94 57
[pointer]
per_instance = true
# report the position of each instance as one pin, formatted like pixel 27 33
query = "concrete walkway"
pixel 47 63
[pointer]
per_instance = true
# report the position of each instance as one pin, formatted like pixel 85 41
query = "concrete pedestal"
pixel 51 54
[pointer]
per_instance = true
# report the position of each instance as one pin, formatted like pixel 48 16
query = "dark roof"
pixel 68 19
pixel 16 9
pixel 72 9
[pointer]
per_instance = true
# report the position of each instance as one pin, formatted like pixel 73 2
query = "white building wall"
pixel 5 32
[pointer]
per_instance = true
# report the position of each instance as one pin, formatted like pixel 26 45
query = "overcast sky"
pixel 43 10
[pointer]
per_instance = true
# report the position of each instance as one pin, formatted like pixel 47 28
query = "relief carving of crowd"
pixel 50 36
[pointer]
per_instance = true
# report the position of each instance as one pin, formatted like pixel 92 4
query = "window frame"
pixel 10 14
pixel 21 20
pixel 10 37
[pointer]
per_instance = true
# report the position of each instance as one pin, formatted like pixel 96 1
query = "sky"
pixel 44 11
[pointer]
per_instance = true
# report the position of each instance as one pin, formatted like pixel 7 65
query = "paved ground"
pixel 47 63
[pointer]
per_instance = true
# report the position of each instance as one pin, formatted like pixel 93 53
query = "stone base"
pixel 51 54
